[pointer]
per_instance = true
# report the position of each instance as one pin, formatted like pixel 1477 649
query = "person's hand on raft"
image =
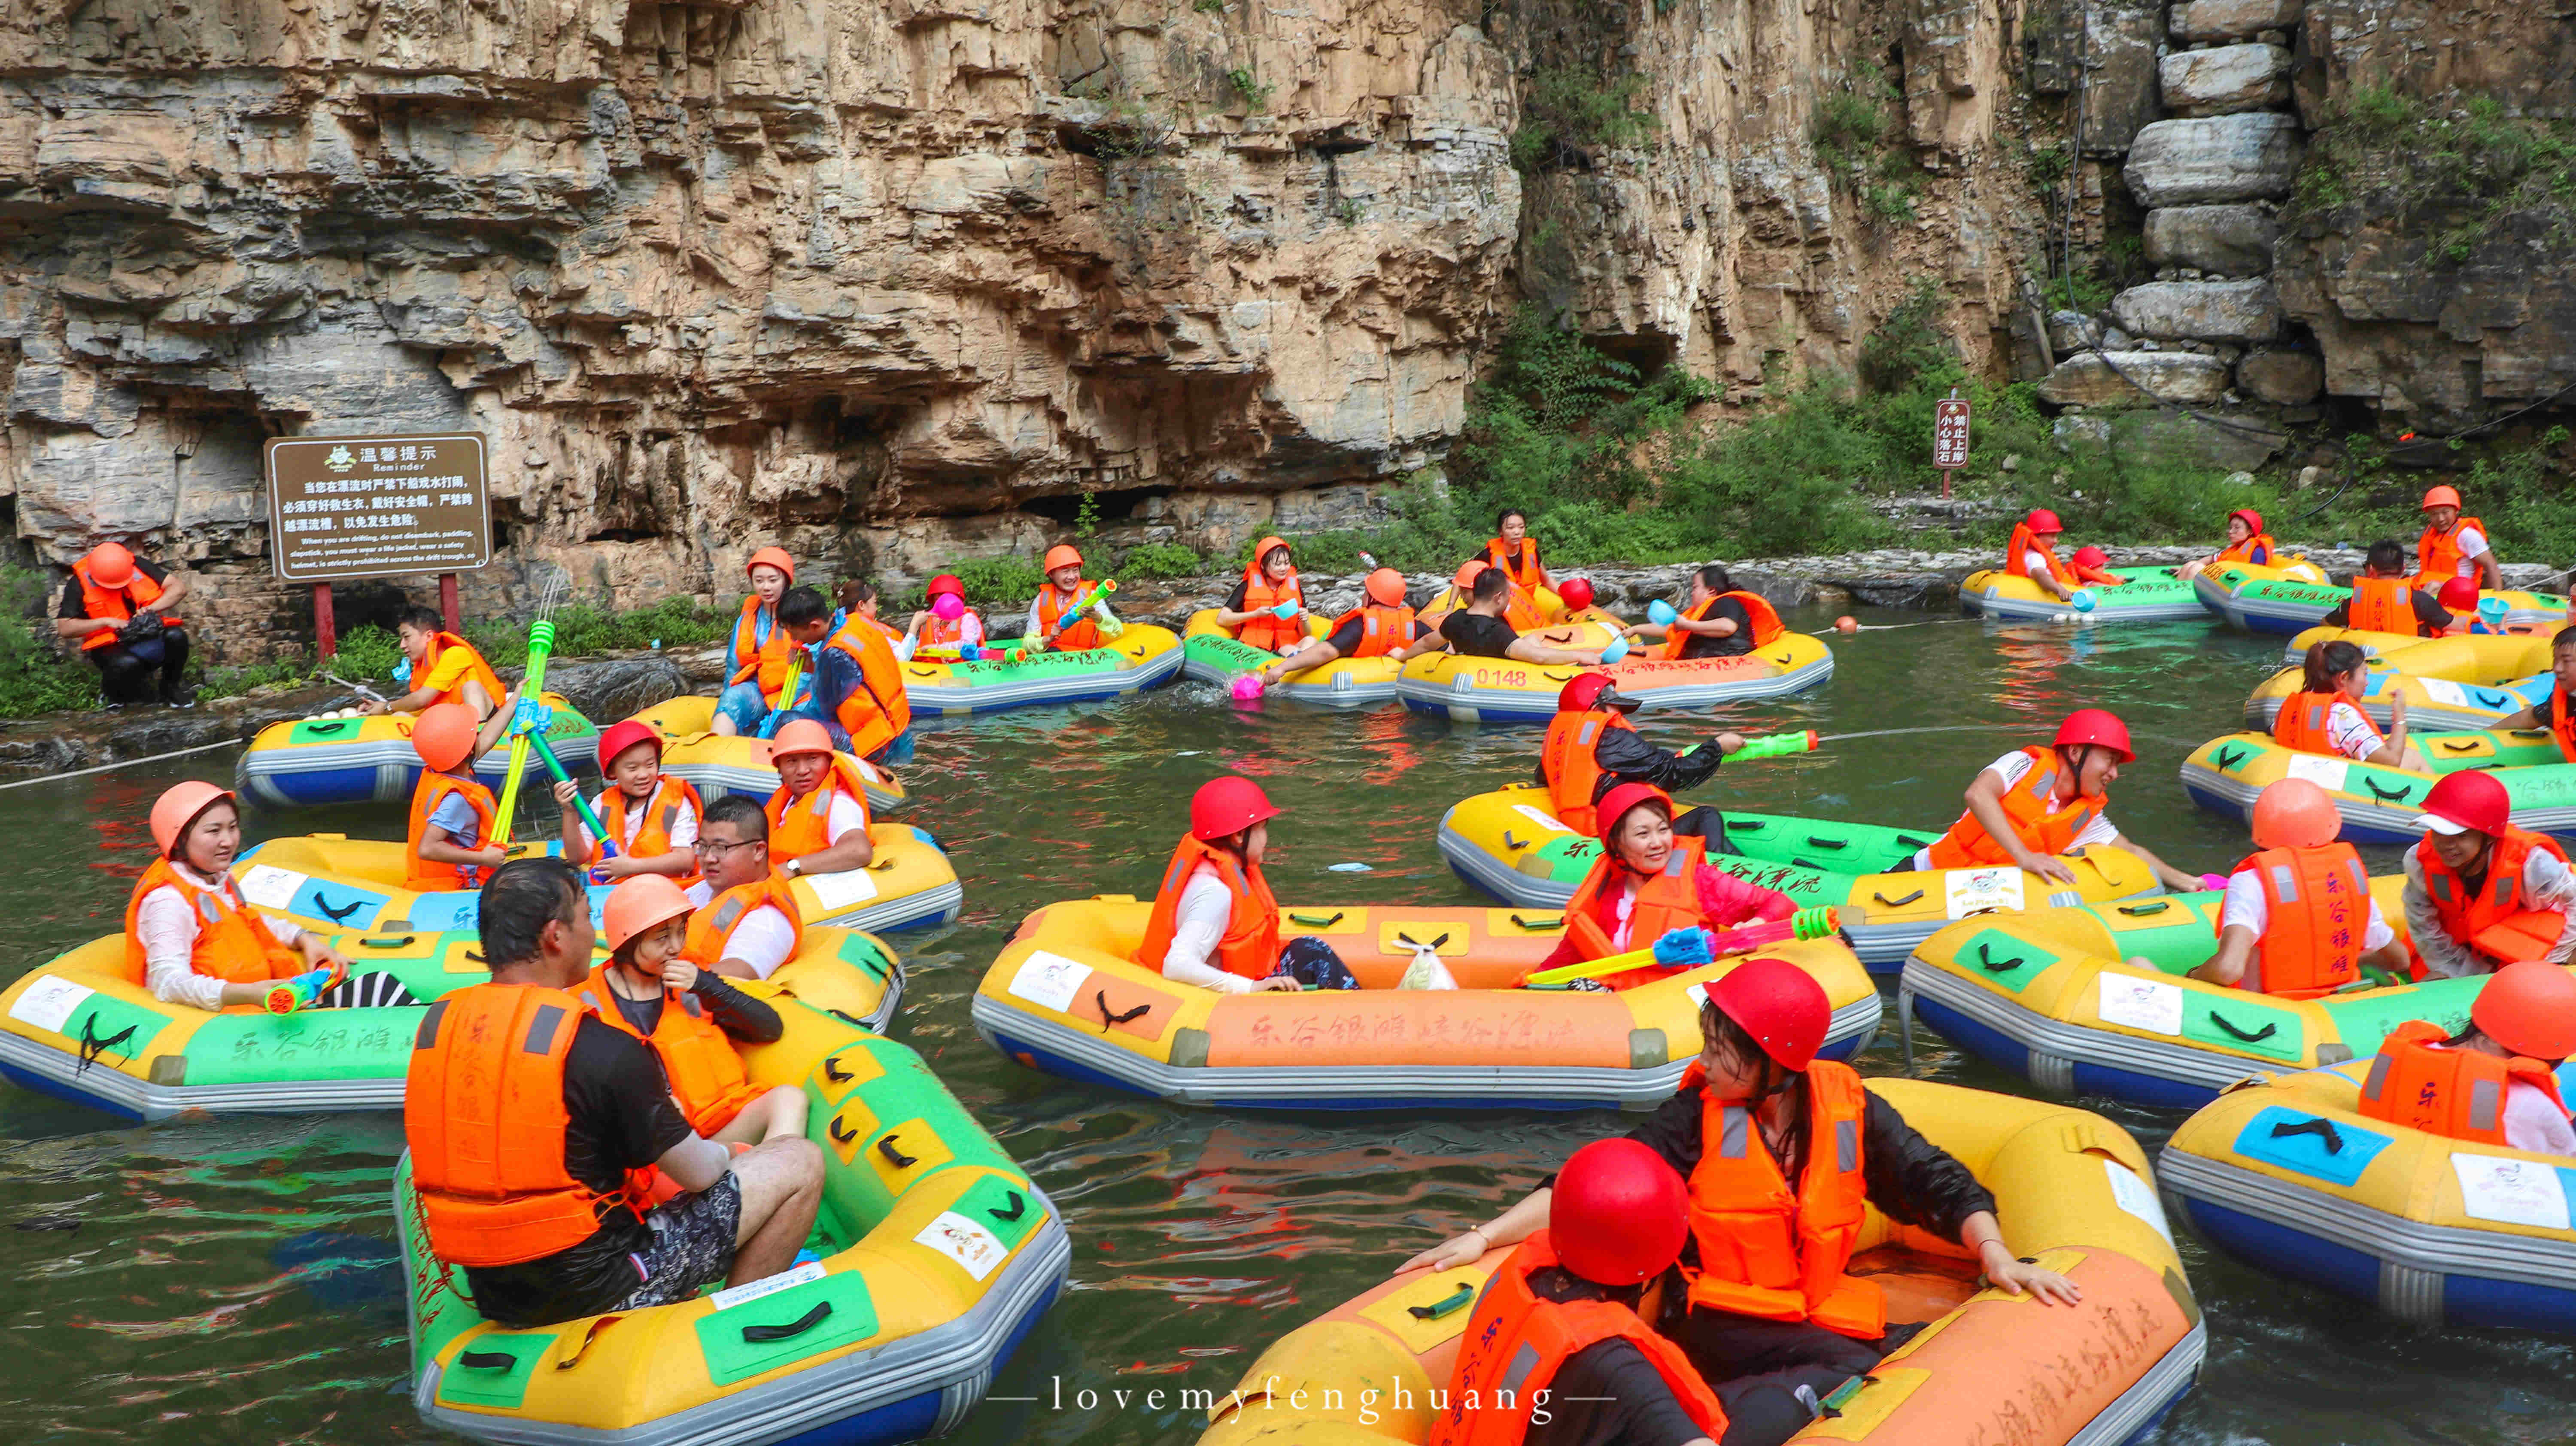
pixel 2016 1277
pixel 1276 983
pixel 1449 1254
pixel 2047 866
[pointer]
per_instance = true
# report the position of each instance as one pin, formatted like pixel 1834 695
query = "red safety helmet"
pixel 1385 587
pixel 1618 1214
pixel 2294 814
pixel 2253 520
pixel 110 565
pixel 1576 594
pixel 2090 556
pixel 1226 806
pixel 946 582
pixel 2459 595
pixel 2043 520
pixel 2470 802
pixel 1619 802
pixel 1580 692
pixel 773 557
pixel 2442 496
pixel 2096 726
pixel 1780 1005
pixel 2528 1007
pixel 178 808
pixel 619 737
pixel 443 735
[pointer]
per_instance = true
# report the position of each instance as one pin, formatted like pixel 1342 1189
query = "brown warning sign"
pixel 345 507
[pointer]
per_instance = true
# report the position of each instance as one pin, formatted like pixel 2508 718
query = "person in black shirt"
pixel 1478 630
pixel 120 607
pixel 2387 559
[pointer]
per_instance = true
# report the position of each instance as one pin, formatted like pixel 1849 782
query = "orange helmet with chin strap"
pixel 177 808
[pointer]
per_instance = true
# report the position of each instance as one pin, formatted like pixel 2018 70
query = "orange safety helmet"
pixel 2470 802
pixel 2530 1008
pixel 1467 575
pixel 619 737
pixel 1060 555
pixel 1226 806
pixel 1576 594
pixel 2459 595
pixel 801 735
pixel 2441 496
pixel 773 557
pixel 2043 520
pixel 946 582
pixel 1618 1215
pixel 1780 1005
pixel 110 565
pixel 178 807
pixel 1385 587
pixel 639 903
pixel 2098 726
pixel 2295 814
pixel 443 735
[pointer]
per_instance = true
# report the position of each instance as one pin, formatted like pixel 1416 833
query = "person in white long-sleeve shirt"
pixel 190 937
pixel 2481 893
pixel 1215 923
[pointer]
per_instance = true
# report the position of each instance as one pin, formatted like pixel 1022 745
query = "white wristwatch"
pixel 795 868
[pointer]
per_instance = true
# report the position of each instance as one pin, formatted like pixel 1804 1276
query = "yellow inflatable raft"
pixel 2379 804
pixel 81 1027
pixel 2073 1192
pixel 1216 656
pixel 2466 682
pixel 2150 595
pixel 937 1253
pixel 2288 1176
pixel 2288 599
pixel 1068 997
pixel 305 763
pixel 1505 690
pixel 1142 656
pixel 329 881
pixel 715 764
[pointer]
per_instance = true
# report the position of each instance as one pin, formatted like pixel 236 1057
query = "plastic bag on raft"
pixel 1426 971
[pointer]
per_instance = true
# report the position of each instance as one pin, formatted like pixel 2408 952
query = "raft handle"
pixel 488 1361
pixel 902 1161
pixel 1019 1207
pixel 91 1046
pixel 1109 1021
pixel 2228 758
pixel 1910 841
pixel 1747 825
pixel 2266 1032
pixel 845 1018
pixel 1449 1304
pixel 475 956
pixel 832 1070
pixel 336 916
pixel 754 1335
pixel 1409 941
pixel 1987 959
pixel 2320 1127
pixel 1539 925
pixel 1510 842
pixel 2492 700
pixel 2383 795
pixel 1896 903
pixel 402 943
pixel 1808 864
pixel 1828 843
pixel 2459 747
pixel 2140 911
pixel 1319 921
pixel 839 1135
pixel 339 727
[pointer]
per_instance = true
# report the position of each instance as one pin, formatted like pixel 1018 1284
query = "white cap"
pixel 2435 823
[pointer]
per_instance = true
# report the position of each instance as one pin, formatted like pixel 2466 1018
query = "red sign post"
pixel 1949 436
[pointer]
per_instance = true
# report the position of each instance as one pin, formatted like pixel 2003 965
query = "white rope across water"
pixel 123 763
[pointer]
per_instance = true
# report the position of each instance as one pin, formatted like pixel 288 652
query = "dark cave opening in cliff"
pixel 1109 504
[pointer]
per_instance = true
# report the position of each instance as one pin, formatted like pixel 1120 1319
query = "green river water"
pixel 234 1281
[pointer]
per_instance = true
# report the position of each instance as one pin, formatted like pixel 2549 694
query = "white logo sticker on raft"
pixel 1971 891
pixel 975 1249
pixel 49 1001
pixel 2149 1004
pixel 2510 1192
pixel 2133 1195
pixel 768 1285
pixel 268 887
pixel 2445 692
pixel 846 889
pixel 2326 773
pixel 1050 979
pixel 1542 820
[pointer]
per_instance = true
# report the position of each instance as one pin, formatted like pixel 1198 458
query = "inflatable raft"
pixel 2151 595
pixel 1067 997
pixel 1142 657
pixel 938 1256
pixel 716 765
pixel 327 881
pixel 2452 684
pixel 1216 656
pixel 2074 1192
pixel 82 1028
pixel 1504 690
pixel 2380 804
pixel 317 761
pixel 1551 607
pixel 2279 600
pixel 2287 1175
pixel 2050 995
pixel 1509 844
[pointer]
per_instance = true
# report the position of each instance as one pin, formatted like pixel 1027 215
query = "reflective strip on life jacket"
pixel 1520 565
pixel 2025 542
pixel 711 928
pixel 1383 630
pixel 2043 825
pixel 476 671
pixel 421 874
pixel 1667 901
pixel 1764 1252
pixel 1250 947
pixel 2316 917
pixel 2245 551
pixel 2437 553
pixel 2383 605
pixel 233 943
pixel 1263 630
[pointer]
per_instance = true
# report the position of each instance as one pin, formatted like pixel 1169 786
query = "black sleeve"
pixel 1672 1131
pixel 1913 1181
pixel 736 1013
pixel 71 604
pixel 1346 638
pixel 2429 612
pixel 2339 616
pixel 2544 714
pixel 1609 1394
pixel 1632 759
pixel 152 570
pixel 615 1087
pixel 1234 599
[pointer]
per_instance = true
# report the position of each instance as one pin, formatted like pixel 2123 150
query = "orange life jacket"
pixel 2302 722
pixel 483 1112
pixel 1074 636
pixel 2087 573
pixel 1516 1342
pixel 2244 551
pixel 425 876
pixel 1766 1252
pixel 2024 542
pixel 761 650
pixel 2455 1093
pixel 1667 901
pixel 1573 774
pixel 711 928
pixel 801 826
pixel 697 1056
pixel 2383 605
pixel 1383 630
pixel 1262 630
pixel 233 944
pixel 939 632
pixel 2496 921
pixel 878 710
pixel 1521 565
pixel 892 632
pixel 2562 724
pixel 1766 621
pixel 1519 609
pixel 117 605
pixel 652 835
pixel 476 671
pixel 1251 943
pixel 2316 913
pixel 2042 824
pixel 2437 553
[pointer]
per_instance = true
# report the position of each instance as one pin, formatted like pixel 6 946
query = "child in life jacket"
pixel 691 1017
pixel 2554 714
pixel 1382 626
pixel 1647 883
pixel 2481 893
pixel 2246 542
pixel 1816 1147
pixel 1064 614
pixel 1215 923
pixel 762 653
pixel 452 813
pixel 1268 607
pixel 2032 553
pixel 2384 600
pixel 439 667
pixel 856 598
pixel 2325 715
pixel 2453 546
pixel 945 625
pixel 192 940
pixel 2299 920
pixel 2522 1027
pixel 2092 567
pixel 653 814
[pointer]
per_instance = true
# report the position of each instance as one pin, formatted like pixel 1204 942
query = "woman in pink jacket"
pixel 1648 882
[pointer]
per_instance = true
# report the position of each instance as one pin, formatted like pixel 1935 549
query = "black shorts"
pixel 692 1244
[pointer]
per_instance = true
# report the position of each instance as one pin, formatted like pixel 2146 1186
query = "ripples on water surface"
pixel 234 1281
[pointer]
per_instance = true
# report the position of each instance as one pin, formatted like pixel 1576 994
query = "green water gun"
pixel 1704 946
pixel 1096 600
pixel 541 645
pixel 288 995
pixel 1770 745
pixel 554 765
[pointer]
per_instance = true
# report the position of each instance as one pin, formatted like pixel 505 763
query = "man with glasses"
pixel 746 924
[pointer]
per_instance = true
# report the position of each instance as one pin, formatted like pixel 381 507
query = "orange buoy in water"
pixel 1846 625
